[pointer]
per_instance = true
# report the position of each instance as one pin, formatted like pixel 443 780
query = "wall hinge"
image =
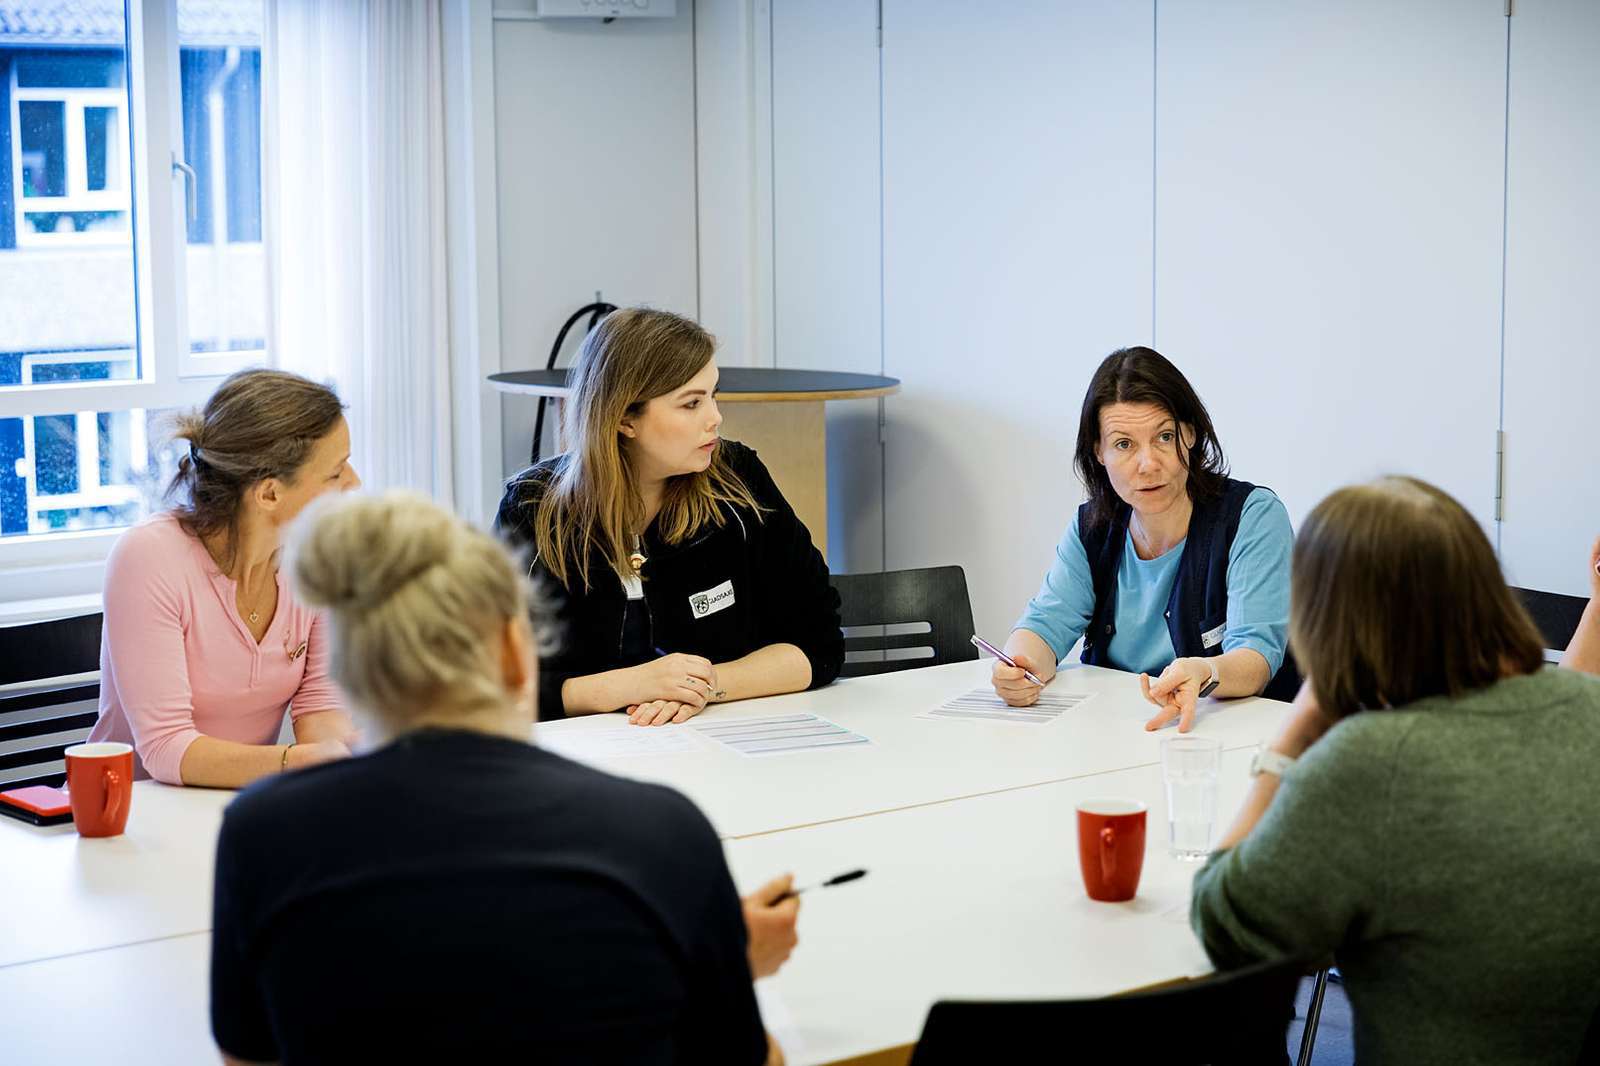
pixel 1500 475
pixel 1511 8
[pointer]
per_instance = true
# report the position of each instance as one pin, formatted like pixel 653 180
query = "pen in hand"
pixel 839 879
pixel 984 645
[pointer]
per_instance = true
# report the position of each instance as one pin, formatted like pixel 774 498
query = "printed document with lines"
pixel 777 733
pixel 981 704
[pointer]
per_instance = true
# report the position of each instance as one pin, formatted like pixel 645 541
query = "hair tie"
pixel 194 454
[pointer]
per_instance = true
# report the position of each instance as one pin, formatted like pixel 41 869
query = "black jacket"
pixel 779 581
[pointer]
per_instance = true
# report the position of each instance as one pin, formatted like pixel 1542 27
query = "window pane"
pixel 220 60
pixel 66 248
pixel 43 140
pixel 101 132
pixel 84 470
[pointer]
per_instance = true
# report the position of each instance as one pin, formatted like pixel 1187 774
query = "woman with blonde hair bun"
pixel 483 894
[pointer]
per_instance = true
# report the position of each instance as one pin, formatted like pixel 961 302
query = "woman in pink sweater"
pixel 204 646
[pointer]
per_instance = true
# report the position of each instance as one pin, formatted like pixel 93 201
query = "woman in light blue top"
pixel 1171 568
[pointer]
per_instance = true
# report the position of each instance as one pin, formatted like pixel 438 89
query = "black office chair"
pixel 1239 1017
pixel 1590 1054
pixel 49 696
pixel 1556 615
pixel 904 619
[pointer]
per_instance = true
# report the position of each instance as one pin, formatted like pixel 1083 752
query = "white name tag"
pixel 1212 637
pixel 711 600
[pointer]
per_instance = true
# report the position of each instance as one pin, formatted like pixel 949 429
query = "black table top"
pixel 734 379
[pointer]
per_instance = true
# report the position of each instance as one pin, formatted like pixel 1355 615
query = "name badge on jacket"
pixel 711 600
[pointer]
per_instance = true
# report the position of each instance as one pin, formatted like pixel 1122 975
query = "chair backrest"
pixel 903 619
pixel 1590 1053
pixel 49 696
pixel 1237 1017
pixel 1556 615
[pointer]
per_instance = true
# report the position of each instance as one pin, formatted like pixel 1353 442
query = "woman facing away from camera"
pixel 458 894
pixel 1426 816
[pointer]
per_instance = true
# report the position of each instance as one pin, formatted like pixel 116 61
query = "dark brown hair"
pixel 1396 596
pixel 259 424
pixel 1143 375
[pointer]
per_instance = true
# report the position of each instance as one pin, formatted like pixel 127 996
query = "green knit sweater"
pixel 1448 855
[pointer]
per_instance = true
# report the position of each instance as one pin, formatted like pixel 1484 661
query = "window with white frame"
pixel 132 270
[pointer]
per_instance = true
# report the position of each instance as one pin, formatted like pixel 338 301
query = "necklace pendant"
pixel 254 617
pixel 637 561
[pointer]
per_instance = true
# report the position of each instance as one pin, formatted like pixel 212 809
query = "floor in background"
pixel 1335 1043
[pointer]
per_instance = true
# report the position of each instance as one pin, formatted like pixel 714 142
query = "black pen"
pixel 853 875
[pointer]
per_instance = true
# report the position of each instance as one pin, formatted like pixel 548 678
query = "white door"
pixel 1552 374
pixel 1328 235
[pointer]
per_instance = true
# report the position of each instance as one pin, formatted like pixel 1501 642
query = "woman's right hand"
pixel 302 755
pixel 676 677
pixel 1011 684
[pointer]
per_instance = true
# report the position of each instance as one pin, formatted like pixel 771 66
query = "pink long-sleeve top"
pixel 177 661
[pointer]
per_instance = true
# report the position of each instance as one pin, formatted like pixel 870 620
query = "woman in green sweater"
pixel 1427 815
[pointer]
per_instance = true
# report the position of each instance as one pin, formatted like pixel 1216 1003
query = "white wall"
pixel 1301 204
pixel 596 170
pixel 826 234
pixel 1017 193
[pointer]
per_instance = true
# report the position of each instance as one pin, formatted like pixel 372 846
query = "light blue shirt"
pixel 1258 594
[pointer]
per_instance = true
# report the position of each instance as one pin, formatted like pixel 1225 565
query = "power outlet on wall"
pixel 607 9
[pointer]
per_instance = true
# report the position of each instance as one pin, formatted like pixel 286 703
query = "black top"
pixel 733 379
pixel 722 594
pixel 457 897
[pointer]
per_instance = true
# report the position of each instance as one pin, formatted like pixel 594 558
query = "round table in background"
pixel 779 413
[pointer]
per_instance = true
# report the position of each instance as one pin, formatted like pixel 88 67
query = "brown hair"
pixel 1395 596
pixel 1143 375
pixel 259 424
pixel 592 503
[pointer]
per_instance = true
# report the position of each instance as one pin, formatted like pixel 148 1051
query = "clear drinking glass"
pixel 1189 766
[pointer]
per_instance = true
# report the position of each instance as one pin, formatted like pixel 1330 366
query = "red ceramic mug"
pixel 100 784
pixel 1111 847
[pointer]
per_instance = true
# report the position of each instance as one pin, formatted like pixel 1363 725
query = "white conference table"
pixel 980 898
pixel 911 761
pixel 135 911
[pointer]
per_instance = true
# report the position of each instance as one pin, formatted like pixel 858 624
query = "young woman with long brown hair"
pixel 682 574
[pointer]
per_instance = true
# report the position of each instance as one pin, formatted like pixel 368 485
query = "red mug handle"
pixel 113 782
pixel 1108 854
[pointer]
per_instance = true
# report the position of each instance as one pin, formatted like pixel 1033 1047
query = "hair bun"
pixel 353 552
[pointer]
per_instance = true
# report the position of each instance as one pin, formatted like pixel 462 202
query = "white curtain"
pixel 353 168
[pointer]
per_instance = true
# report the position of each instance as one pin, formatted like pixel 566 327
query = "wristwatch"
pixel 1267 761
pixel 1210 686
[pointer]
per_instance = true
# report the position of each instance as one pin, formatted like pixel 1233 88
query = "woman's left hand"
pixel 1176 691
pixel 661 712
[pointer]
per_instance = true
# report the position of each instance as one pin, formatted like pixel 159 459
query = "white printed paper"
pixel 778 734
pixel 983 705
pixel 612 742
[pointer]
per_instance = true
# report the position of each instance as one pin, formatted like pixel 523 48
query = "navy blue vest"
pixel 1198 605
